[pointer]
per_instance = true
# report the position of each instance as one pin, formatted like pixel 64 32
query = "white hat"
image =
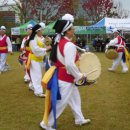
pixel 3 28
pixel 29 26
pixel 68 17
pixel 115 30
pixel 42 25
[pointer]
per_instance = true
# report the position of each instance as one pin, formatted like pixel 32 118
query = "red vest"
pixel 62 73
pixel 25 39
pixel 120 49
pixel 27 49
pixel 3 45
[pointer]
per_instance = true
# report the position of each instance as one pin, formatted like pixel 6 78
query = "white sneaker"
pixel 50 128
pixel 26 80
pixel 30 86
pixel 42 125
pixel 40 95
pixel 111 70
pixel 45 127
pixel 83 122
pixel 7 66
pixel 5 70
pixel 125 71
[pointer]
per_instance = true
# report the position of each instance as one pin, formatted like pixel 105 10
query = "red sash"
pixel 3 45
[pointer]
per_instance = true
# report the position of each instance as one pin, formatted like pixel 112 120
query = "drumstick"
pixel 91 72
pixel 83 50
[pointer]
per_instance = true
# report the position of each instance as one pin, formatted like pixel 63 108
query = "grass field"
pixel 107 103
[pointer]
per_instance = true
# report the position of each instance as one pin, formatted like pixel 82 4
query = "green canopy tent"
pixel 49 29
pixel 78 29
pixel 89 30
pixel 21 30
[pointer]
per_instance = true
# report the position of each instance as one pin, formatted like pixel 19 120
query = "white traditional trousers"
pixel 119 60
pixel 69 96
pixel 3 57
pixel 36 71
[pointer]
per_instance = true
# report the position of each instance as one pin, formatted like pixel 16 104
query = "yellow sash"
pixel 38 58
pixel 127 56
pixel 45 80
pixel 47 106
pixel 3 48
pixel 47 76
pixel 31 56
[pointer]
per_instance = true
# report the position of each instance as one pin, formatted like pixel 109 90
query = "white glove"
pixel 107 46
pixel 83 50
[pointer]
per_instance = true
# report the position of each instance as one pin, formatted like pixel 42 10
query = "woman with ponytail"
pixel 35 59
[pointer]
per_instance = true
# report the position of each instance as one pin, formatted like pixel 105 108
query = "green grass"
pixel 107 103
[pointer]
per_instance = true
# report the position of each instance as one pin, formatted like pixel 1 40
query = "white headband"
pixel 66 27
pixel 39 29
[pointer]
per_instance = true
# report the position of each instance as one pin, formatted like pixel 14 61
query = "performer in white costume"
pixel 64 55
pixel 120 44
pixel 43 27
pixel 25 49
pixel 35 59
pixel 5 48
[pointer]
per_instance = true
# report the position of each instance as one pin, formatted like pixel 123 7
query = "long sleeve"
pixel 38 51
pixel 23 43
pixel 9 44
pixel 70 55
pixel 113 42
pixel 43 40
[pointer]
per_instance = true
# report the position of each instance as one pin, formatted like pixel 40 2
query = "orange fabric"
pixel 3 48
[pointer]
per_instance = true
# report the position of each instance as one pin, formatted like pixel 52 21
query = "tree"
pixel 43 10
pixel 66 7
pixel 118 11
pixel 97 9
pixel 20 9
pixel 53 9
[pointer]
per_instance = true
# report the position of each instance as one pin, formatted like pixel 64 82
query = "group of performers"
pixel 5 48
pixel 63 56
pixel 63 72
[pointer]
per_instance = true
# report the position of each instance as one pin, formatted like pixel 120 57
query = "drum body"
pixel 111 53
pixel 90 65
pixel 22 58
